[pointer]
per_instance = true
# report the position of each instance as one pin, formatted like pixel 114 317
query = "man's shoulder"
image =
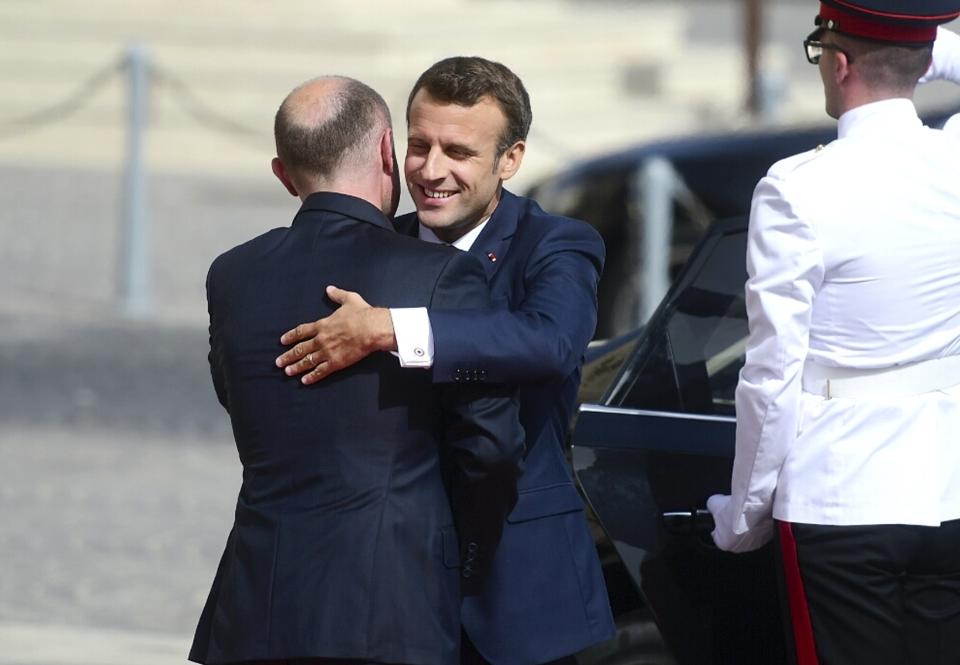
pixel 809 160
pixel 534 220
pixel 952 126
pixel 399 252
pixel 245 251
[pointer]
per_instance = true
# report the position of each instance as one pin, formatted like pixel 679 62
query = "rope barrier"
pixel 12 127
pixel 188 100
pixel 204 114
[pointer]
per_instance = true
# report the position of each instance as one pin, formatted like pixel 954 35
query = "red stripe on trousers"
pixel 797 599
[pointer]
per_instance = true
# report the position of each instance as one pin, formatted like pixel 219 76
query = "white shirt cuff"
pixel 411 326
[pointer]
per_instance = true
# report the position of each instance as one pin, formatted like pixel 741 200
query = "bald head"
pixel 329 125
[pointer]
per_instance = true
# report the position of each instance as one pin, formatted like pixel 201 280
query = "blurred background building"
pixel 120 468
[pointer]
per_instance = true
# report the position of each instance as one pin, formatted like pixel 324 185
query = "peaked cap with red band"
pixel 894 21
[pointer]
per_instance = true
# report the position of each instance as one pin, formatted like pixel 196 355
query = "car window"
pixel 607 200
pixel 691 360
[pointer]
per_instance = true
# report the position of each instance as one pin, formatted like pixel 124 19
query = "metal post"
pixel 753 22
pixel 134 259
pixel 656 181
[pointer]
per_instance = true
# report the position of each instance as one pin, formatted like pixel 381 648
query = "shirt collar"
pixel 883 115
pixel 463 243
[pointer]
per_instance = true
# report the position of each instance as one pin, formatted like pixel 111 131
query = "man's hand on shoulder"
pixel 342 339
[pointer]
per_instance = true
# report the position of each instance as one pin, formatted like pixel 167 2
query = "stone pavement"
pixel 120 470
pixel 111 532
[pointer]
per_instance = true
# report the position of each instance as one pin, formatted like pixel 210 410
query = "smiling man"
pixel 468 118
pixel 457 158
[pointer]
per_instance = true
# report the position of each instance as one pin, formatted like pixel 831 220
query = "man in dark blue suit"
pixel 468 120
pixel 344 545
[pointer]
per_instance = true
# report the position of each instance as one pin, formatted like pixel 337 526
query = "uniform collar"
pixel 346 205
pixel 878 117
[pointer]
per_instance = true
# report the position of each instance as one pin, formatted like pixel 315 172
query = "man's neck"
pixel 366 191
pixel 863 97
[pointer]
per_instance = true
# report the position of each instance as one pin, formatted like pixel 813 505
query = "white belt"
pixel 897 381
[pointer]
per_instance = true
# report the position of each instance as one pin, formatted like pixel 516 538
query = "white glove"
pixel 946 58
pixel 723 534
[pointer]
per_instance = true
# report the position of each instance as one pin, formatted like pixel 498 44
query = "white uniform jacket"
pixel 853 259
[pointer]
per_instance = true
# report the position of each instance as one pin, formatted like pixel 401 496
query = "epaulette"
pixel 792 163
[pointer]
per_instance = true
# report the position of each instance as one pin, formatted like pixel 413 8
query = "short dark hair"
pixel 465 80
pixel 320 148
pixel 890 66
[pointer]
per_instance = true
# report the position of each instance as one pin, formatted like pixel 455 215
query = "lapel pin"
pixel 492 257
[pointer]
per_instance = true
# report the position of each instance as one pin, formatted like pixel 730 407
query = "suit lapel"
pixel 494 241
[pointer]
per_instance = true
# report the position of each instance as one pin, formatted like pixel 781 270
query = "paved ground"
pixel 120 471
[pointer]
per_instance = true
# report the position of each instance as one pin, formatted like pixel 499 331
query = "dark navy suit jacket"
pixel 545 596
pixel 344 542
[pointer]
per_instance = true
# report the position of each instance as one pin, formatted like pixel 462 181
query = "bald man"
pixel 346 545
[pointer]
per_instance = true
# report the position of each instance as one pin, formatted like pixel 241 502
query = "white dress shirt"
pixel 853 257
pixel 411 325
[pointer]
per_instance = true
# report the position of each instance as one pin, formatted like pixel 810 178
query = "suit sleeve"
pixel 214 355
pixel 484 438
pixel 543 337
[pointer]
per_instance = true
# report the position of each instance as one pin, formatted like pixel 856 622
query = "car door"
pixel 660 442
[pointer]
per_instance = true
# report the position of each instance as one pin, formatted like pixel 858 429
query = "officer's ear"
pixel 510 160
pixel 840 63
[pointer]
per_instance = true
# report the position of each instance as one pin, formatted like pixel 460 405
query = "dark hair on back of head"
pixel 321 148
pixel 466 80
pixel 889 66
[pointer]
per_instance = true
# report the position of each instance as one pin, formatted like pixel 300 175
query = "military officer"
pixel 848 406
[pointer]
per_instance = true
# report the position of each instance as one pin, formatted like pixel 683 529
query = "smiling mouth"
pixel 434 194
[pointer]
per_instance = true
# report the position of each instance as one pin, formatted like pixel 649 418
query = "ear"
pixel 841 67
pixel 281 172
pixel 388 160
pixel 511 159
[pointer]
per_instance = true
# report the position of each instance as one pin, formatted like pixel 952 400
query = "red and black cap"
pixel 893 21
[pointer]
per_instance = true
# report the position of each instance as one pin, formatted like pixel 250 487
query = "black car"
pixel 708 178
pixel 654 436
pixel 656 444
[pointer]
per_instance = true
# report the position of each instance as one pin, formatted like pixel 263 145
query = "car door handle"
pixel 688 521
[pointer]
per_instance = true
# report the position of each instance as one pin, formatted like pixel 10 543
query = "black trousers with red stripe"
pixel 871 595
